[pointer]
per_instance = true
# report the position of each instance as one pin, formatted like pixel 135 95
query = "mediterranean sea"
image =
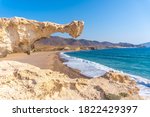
pixel 134 62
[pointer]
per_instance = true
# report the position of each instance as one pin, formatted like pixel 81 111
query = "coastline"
pixel 52 61
pixel 140 81
pixel 46 60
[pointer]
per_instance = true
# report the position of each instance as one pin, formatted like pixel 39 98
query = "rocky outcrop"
pixel 126 86
pixel 118 77
pixel 18 34
pixel 24 81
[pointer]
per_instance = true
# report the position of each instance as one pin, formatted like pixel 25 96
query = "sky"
pixel 105 20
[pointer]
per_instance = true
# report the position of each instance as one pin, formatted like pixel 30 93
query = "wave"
pixel 88 68
pixel 93 69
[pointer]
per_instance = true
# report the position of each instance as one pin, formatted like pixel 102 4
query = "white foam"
pixel 93 69
pixel 88 68
pixel 143 84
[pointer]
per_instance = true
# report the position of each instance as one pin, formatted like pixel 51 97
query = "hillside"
pixel 56 41
pixel 146 44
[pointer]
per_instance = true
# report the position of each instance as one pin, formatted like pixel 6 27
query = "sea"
pixel 134 62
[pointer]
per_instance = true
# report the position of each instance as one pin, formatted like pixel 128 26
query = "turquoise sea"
pixel 134 62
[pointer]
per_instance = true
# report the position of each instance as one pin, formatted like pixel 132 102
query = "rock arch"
pixel 18 34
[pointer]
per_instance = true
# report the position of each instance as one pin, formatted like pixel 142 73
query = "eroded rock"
pixel 126 86
pixel 25 81
pixel 18 34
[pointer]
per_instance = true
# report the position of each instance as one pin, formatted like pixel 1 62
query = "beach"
pixel 45 60
pixel 42 75
pixel 133 62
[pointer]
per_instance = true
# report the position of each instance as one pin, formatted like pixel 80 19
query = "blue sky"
pixel 105 20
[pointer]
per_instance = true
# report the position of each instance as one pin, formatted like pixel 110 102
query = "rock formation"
pixel 129 86
pixel 24 81
pixel 18 34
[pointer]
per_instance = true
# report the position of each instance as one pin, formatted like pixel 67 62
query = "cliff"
pixel 25 81
pixel 18 34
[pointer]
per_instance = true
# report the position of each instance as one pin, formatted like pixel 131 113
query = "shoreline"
pixel 60 67
pixel 139 80
pixel 53 61
pixel 46 60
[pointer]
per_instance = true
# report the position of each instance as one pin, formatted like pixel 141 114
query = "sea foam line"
pixel 88 68
pixel 93 69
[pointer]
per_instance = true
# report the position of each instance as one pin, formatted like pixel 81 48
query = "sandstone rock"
pixel 124 83
pixel 18 34
pixel 78 49
pixel 3 52
pixel 24 81
pixel 118 77
pixel 67 48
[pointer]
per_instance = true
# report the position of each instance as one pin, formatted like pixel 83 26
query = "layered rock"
pixel 24 81
pixel 18 34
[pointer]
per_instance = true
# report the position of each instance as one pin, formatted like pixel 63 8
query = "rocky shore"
pixel 53 80
pixel 42 75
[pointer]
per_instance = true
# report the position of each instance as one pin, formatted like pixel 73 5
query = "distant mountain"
pixel 60 41
pixel 146 44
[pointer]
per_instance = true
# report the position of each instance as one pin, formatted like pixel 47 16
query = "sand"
pixel 45 60
pixel 46 77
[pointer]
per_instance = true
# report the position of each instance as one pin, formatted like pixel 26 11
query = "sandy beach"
pixel 42 75
pixel 45 60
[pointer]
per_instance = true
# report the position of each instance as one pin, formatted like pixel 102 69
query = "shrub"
pixel 110 96
pixel 122 94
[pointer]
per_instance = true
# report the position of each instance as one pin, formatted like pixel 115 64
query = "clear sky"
pixel 105 20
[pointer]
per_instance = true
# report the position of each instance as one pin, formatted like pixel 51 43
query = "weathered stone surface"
pixel 128 85
pixel 118 77
pixel 18 34
pixel 24 81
